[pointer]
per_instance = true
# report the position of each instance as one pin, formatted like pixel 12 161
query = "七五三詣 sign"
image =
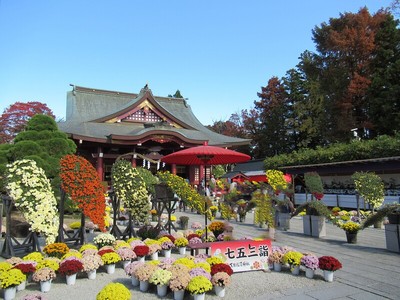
pixel 245 255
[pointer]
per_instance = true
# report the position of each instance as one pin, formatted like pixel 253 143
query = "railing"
pixel 343 201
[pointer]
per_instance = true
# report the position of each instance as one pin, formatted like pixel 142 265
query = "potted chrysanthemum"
pixel 91 262
pixel 198 286
pixel 310 262
pixel 70 267
pixel 104 239
pixel 44 275
pixel 275 258
pixel 9 280
pixel 181 244
pixel 143 274
pixel 141 251
pixel 220 280
pixel 166 245
pixel 179 280
pixel 114 291
pixel 293 258
pixel 110 259
pixel 161 279
pixel 329 264
pixel 130 271
pixel 126 255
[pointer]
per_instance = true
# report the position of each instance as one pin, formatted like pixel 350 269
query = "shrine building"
pixel 106 125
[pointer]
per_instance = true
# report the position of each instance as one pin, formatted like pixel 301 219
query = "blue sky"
pixel 217 53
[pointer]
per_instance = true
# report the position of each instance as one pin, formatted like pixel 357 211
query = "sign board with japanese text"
pixel 244 255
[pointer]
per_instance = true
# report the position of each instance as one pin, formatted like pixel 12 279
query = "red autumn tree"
pixel 15 117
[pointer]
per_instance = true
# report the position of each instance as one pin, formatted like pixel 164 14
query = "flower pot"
pixel 91 230
pixel 144 286
pixel 277 267
pixel 318 227
pixel 328 275
pixel 110 268
pixel 71 279
pixel 394 218
pixel 310 273
pixel 45 286
pixel 154 256
pixel 182 250
pixel 135 281
pixel 199 296
pixel 219 291
pixel 167 253
pixel 125 263
pixel 21 286
pixel 92 274
pixel 295 270
pixel 162 290
pixel 141 258
pixel 378 224
pixel 351 237
pixel 179 295
pixel 9 293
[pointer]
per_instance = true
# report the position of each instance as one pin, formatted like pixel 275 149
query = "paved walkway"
pixel 369 270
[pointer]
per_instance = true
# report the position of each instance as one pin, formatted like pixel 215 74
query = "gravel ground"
pixel 246 285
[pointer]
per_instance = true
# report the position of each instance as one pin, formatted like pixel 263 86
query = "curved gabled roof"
pixel 101 115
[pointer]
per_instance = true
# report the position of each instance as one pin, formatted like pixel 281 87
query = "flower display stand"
pixel 179 295
pixel 219 291
pixel 110 268
pixel 144 286
pixel 10 292
pixel 135 281
pixel 284 221
pixel 392 235
pixel 328 275
pixel 310 273
pixel 162 290
pixel 71 279
pixel 92 274
pixel 351 237
pixel 45 286
pixel 314 226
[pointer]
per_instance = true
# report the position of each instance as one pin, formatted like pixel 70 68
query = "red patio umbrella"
pixel 205 155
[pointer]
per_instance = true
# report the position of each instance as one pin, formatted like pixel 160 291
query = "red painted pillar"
pixel 99 163
pixel 173 169
pixel 133 161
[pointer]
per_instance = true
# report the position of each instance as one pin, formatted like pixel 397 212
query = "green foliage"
pixel 382 146
pixel 315 208
pixel 149 179
pixel 313 182
pixel 264 212
pixel 381 213
pixel 41 123
pixel 218 171
pixel 370 186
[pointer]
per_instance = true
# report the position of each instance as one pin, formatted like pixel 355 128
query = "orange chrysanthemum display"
pixel 79 179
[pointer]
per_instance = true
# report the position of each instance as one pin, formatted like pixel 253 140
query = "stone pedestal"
pixel 392 237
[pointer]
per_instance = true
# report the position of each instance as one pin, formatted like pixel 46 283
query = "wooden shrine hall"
pixel 106 125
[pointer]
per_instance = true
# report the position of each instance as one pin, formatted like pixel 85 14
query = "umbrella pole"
pixel 205 203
